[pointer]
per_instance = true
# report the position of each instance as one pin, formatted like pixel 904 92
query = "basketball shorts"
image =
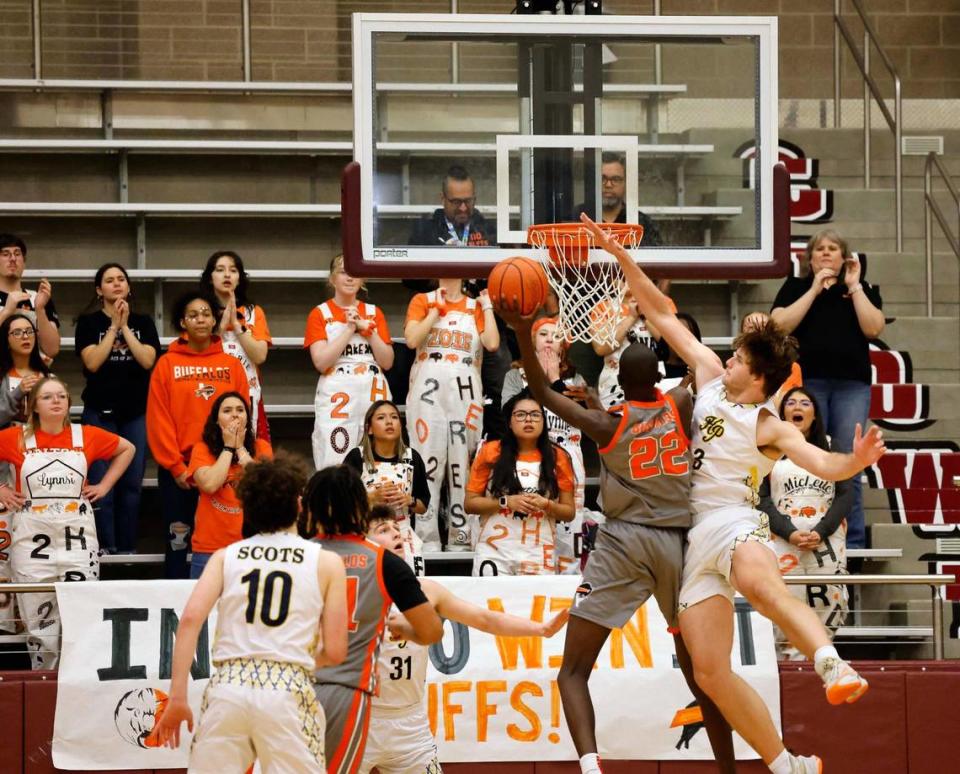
pixel 349 712
pixel 710 546
pixel 628 563
pixel 261 710
pixel 400 742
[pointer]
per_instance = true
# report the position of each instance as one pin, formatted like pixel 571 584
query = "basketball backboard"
pixel 470 128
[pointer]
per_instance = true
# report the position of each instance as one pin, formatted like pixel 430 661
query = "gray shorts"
pixel 348 719
pixel 629 563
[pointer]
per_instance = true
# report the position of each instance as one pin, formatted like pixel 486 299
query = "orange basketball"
pixel 519 278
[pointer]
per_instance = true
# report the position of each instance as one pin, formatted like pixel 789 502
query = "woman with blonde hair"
pixel 54 533
pixel 350 347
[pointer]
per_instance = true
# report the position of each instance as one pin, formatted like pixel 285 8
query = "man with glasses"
pixel 613 192
pixel 36 304
pixel 456 223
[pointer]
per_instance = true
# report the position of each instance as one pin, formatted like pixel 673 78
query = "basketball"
pixel 519 278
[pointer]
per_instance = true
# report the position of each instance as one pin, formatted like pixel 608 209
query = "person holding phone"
pixel 834 313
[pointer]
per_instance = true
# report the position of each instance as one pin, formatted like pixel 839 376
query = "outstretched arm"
pixel 598 425
pixel 448 605
pixel 784 437
pixel 657 309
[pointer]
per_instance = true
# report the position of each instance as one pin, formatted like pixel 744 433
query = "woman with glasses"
pixel 21 364
pixel 551 350
pixel 350 347
pixel 393 474
pixel 244 332
pixel 186 380
pixel 520 486
pixel 118 348
pixel 808 519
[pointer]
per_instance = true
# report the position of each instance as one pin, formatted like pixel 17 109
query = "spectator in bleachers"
pixel 456 223
pixel 393 473
pixel 54 533
pixel 244 332
pixel 37 303
pixel 675 371
pixel 21 364
pixel 520 486
pixel 450 332
pixel 217 461
pixel 350 347
pixel 118 348
pixel 833 313
pixel 613 194
pixel 807 519
pixel 632 327
pixel 551 351
pixel 193 372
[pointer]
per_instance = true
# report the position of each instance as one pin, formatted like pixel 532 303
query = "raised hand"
pixel 824 280
pixel 870 447
pixel 509 311
pixel 851 277
pixel 44 294
pixel 556 623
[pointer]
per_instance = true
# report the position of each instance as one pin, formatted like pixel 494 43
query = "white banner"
pixel 488 698
pixel 114 675
pixel 496 698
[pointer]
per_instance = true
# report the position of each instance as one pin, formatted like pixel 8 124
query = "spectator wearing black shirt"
pixel 37 303
pixel 118 348
pixel 456 223
pixel 833 313
pixel 613 191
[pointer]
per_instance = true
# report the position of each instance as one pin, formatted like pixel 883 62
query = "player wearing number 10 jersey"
pixel 282 612
pixel 337 514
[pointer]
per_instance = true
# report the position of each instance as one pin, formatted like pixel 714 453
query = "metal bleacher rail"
pixel 934 632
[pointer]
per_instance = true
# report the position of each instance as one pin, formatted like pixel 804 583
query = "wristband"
pixel 231 449
pixel 854 290
pixel 486 307
pixel 504 508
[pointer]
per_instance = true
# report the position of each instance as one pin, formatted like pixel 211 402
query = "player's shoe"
pixel 806 764
pixel 841 682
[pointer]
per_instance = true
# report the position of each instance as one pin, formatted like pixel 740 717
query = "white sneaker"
pixel 806 764
pixel 841 682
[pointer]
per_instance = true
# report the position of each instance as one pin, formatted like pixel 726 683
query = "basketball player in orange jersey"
pixel 337 510
pixel 644 486
pixel 737 439
pixel 445 404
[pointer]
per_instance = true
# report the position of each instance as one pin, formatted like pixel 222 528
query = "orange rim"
pixel 569 243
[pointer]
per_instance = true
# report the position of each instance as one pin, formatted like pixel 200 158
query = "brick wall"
pixel 310 39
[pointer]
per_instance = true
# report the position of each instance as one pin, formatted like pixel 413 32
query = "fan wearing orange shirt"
pixel 350 346
pixel 445 404
pixel 54 532
pixel 520 486
pixel 217 462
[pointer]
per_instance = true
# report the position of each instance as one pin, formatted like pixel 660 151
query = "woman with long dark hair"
pixel 217 462
pixel 21 364
pixel 118 348
pixel 520 486
pixel 244 333
pixel 393 474
pixel 808 518
pixel 193 372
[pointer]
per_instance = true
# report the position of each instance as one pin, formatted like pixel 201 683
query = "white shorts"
pixel 709 555
pixel 400 742
pixel 279 728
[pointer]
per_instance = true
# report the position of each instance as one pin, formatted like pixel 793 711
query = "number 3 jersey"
pixel 271 602
pixel 645 469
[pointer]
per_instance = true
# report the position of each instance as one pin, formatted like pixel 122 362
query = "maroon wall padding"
pixel 869 736
pixel 11 721
pixel 932 726
pixel 707 767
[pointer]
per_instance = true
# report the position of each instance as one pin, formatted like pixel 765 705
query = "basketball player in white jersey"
pixel 399 740
pixel 282 613
pixel 737 437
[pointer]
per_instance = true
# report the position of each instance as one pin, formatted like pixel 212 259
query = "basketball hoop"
pixel 589 289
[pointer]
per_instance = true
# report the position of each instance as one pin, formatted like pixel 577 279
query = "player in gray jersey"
pixel 337 511
pixel 644 483
pixel 737 438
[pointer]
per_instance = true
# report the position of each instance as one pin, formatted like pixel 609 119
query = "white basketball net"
pixel 590 291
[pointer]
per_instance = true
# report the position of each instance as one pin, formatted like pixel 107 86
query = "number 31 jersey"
pixel 271 602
